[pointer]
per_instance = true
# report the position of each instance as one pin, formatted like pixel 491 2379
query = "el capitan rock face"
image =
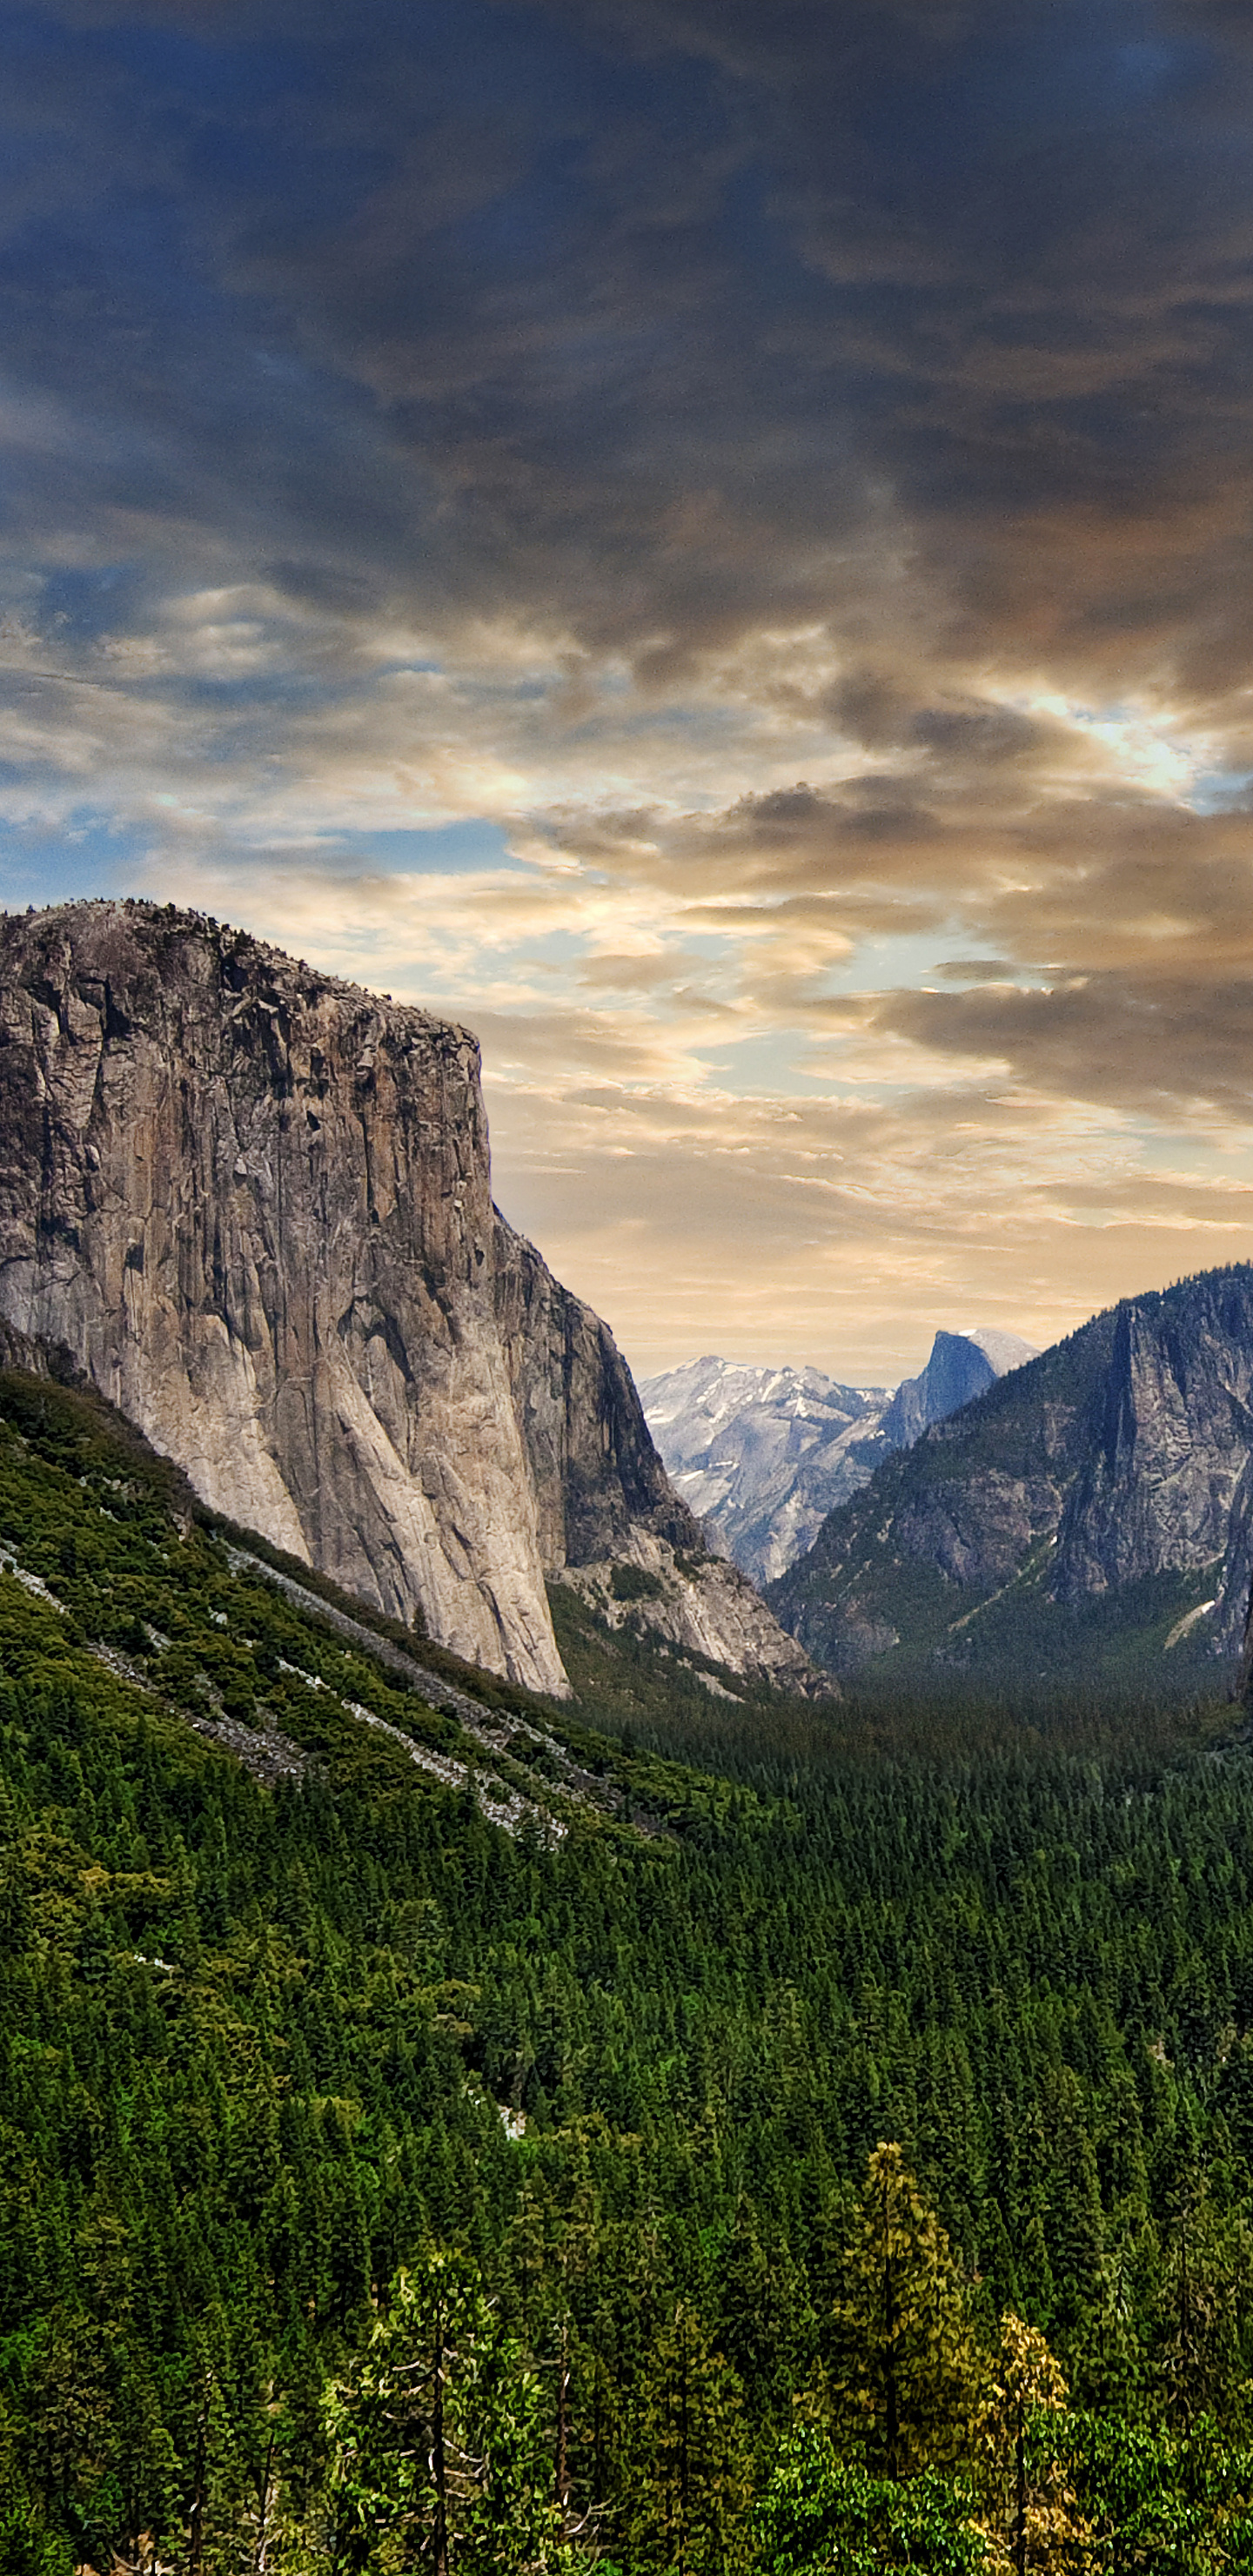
pixel 253 1205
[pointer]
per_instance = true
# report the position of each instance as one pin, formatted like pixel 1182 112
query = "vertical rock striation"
pixel 254 1206
pixel 603 1497
pixel 600 1487
pixel 1171 1431
pixel 961 1366
pixel 1117 1459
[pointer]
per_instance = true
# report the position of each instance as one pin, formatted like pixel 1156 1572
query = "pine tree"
pixel 764 2322
pixel 438 2441
pixel 905 2371
pixel 1030 2514
pixel 685 2473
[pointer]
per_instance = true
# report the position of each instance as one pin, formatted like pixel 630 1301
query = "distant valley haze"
pixel 707 544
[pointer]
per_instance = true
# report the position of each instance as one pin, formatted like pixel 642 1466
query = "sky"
pixel 708 540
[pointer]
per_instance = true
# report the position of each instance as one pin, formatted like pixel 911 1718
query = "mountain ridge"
pixel 1110 1470
pixel 762 1455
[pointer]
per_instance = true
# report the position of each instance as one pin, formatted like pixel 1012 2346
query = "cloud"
pixel 787 474
pixel 1158 1050
pixel 844 1228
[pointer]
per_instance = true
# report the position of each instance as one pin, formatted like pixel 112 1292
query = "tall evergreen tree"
pixel 905 2373
pixel 684 2473
pixel 438 2453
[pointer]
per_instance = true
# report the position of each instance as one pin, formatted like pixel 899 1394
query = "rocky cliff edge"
pixel 253 1205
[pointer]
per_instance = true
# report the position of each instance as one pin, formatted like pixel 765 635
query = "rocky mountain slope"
pixel 762 1455
pixel 252 1205
pixel 1093 1501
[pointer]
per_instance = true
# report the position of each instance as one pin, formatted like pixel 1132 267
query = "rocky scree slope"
pixel 762 1455
pixel 252 1204
pixel 1100 1494
pixel 119 1589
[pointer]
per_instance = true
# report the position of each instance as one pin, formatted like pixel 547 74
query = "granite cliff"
pixel 1100 1492
pixel 252 1205
pixel 961 1366
pixel 605 1504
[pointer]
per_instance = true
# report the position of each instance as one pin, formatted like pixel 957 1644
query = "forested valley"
pixel 650 2137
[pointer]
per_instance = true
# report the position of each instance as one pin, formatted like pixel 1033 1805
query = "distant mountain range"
pixel 1087 1518
pixel 762 1455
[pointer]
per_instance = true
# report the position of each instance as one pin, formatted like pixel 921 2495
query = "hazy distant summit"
pixel 961 1366
pixel 762 1455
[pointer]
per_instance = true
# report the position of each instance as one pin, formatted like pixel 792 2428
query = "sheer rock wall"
pixel 253 1205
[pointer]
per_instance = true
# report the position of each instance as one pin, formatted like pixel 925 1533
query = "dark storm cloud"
pixel 640 319
pixel 1152 1049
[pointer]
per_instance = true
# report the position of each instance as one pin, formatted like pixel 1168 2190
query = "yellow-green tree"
pixel 1030 2514
pixel 908 2381
pixel 685 2474
pixel 437 2441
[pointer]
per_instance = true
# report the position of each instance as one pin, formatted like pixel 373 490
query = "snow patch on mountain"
pixel 762 1455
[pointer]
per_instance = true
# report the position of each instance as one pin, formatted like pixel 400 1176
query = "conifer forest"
pixel 625 2139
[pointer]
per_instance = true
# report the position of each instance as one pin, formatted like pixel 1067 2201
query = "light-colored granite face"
pixel 254 1205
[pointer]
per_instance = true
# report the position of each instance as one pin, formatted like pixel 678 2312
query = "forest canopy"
pixel 746 2138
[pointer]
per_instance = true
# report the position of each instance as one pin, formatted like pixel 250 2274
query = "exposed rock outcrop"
pixel 700 1606
pixel 601 1490
pixel 961 1366
pixel 1233 1606
pixel 253 1205
pixel 1172 1433
pixel 604 1500
pixel 1117 1458
pixel 762 1455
